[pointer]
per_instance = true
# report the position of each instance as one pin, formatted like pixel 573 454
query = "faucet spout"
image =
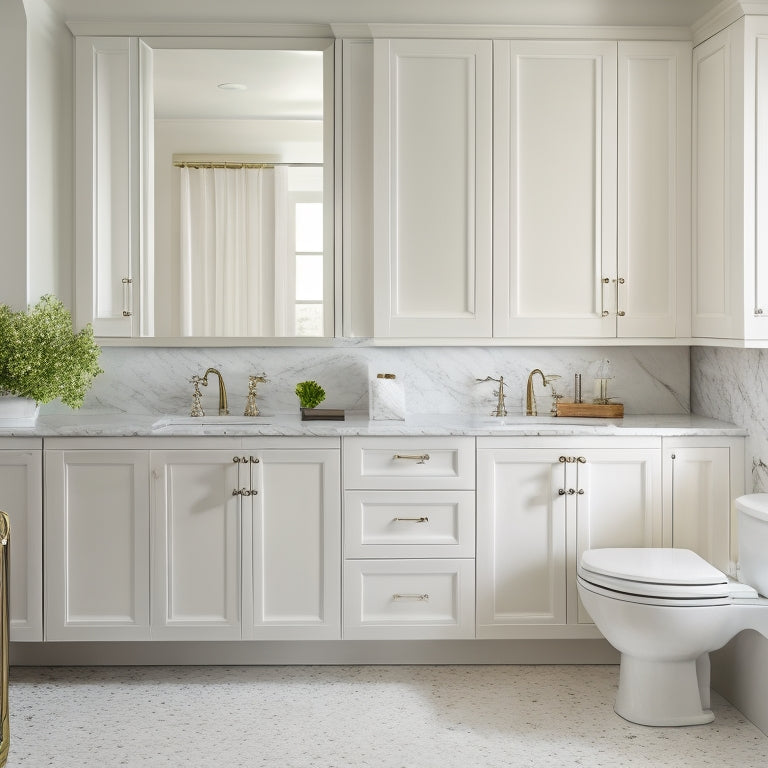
pixel 223 409
pixel 530 397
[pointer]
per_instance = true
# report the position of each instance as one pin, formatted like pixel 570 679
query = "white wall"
pixel 13 130
pixel 50 157
pixel 732 384
pixel 36 129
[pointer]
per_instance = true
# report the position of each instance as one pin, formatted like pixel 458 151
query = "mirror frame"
pixel 145 268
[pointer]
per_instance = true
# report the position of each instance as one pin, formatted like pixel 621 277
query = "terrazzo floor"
pixel 350 716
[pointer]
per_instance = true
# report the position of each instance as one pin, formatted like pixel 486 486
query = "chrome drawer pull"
pixel 421 598
pixel 419 458
pixel 410 519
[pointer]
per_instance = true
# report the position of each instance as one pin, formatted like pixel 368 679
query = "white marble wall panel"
pixel 648 380
pixel 732 385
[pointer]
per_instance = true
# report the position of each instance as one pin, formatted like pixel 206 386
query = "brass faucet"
pixel 501 408
pixel 251 408
pixel 530 397
pixel 223 409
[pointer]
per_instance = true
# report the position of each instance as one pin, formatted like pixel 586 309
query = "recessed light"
pixel 233 87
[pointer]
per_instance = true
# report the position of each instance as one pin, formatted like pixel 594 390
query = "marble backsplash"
pixel 732 385
pixel 436 379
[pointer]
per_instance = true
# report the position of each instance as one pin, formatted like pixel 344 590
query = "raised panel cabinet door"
pixel 521 544
pixel 618 504
pixel 432 188
pixel 699 496
pixel 654 129
pixel 97 545
pixel 107 184
pixel 554 188
pixel 717 268
pixel 196 551
pixel 292 575
pixel 21 496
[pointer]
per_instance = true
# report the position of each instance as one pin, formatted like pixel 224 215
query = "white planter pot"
pixel 17 411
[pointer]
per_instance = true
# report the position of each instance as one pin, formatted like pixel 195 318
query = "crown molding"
pixel 725 14
pixel 195 29
pixel 507 31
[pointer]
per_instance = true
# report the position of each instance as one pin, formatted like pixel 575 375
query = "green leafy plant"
pixel 42 358
pixel 310 394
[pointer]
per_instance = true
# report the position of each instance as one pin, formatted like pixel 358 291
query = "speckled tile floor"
pixel 350 716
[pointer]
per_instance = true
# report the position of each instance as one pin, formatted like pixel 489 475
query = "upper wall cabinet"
pixel 730 182
pixel 591 205
pixel 590 200
pixel 107 184
pixel 204 187
pixel 432 188
pixel 555 188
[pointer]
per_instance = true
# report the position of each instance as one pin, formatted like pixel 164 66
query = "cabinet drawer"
pixel 409 524
pixel 409 462
pixel 409 599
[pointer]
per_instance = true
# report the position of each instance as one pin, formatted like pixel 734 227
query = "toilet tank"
pixel 753 540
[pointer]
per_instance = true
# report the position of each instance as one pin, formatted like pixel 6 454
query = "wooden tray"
pixel 322 414
pixel 591 410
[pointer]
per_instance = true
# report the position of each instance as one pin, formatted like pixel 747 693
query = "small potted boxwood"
pixel 42 358
pixel 310 395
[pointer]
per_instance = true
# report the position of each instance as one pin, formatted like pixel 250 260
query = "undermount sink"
pixel 521 422
pixel 169 422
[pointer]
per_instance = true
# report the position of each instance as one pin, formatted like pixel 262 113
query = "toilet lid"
pixel 663 573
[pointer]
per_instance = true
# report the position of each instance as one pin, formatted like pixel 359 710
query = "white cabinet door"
pixel 292 562
pixel 107 183
pixel 554 188
pixel 702 477
pixel 617 504
pixel 521 545
pixel 196 551
pixel 654 124
pixel 717 268
pixel 247 544
pixel 97 545
pixel 432 188
pixel 21 496
pixel 538 509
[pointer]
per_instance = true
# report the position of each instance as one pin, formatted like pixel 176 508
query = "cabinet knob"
pixel 254 459
pixel 561 491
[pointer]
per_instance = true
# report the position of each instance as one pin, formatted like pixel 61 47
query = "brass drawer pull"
pixel 410 520
pixel 419 458
pixel 244 492
pixel 421 598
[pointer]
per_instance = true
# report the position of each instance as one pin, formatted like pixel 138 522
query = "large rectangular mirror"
pixel 237 160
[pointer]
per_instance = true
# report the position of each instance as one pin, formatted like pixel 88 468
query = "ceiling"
pixel 597 12
pixel 276 84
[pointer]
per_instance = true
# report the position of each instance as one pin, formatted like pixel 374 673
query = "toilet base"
pixel 664 692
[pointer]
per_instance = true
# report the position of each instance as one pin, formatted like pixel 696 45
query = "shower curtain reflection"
pixel 227 251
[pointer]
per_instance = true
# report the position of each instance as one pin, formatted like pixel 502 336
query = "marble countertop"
pixel 117 425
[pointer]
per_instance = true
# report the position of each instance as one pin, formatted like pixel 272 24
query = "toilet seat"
pixel 655 576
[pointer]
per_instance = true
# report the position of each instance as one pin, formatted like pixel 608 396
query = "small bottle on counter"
pixel 386 398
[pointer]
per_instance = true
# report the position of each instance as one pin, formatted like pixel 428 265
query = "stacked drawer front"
pixel 409 537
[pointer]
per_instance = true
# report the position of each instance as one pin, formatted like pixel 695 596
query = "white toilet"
pixel 666 609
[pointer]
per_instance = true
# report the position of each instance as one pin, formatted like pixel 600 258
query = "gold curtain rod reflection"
pixel 193 164
pixel 237 164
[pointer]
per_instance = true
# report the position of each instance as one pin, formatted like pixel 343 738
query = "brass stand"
pixel 5 568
